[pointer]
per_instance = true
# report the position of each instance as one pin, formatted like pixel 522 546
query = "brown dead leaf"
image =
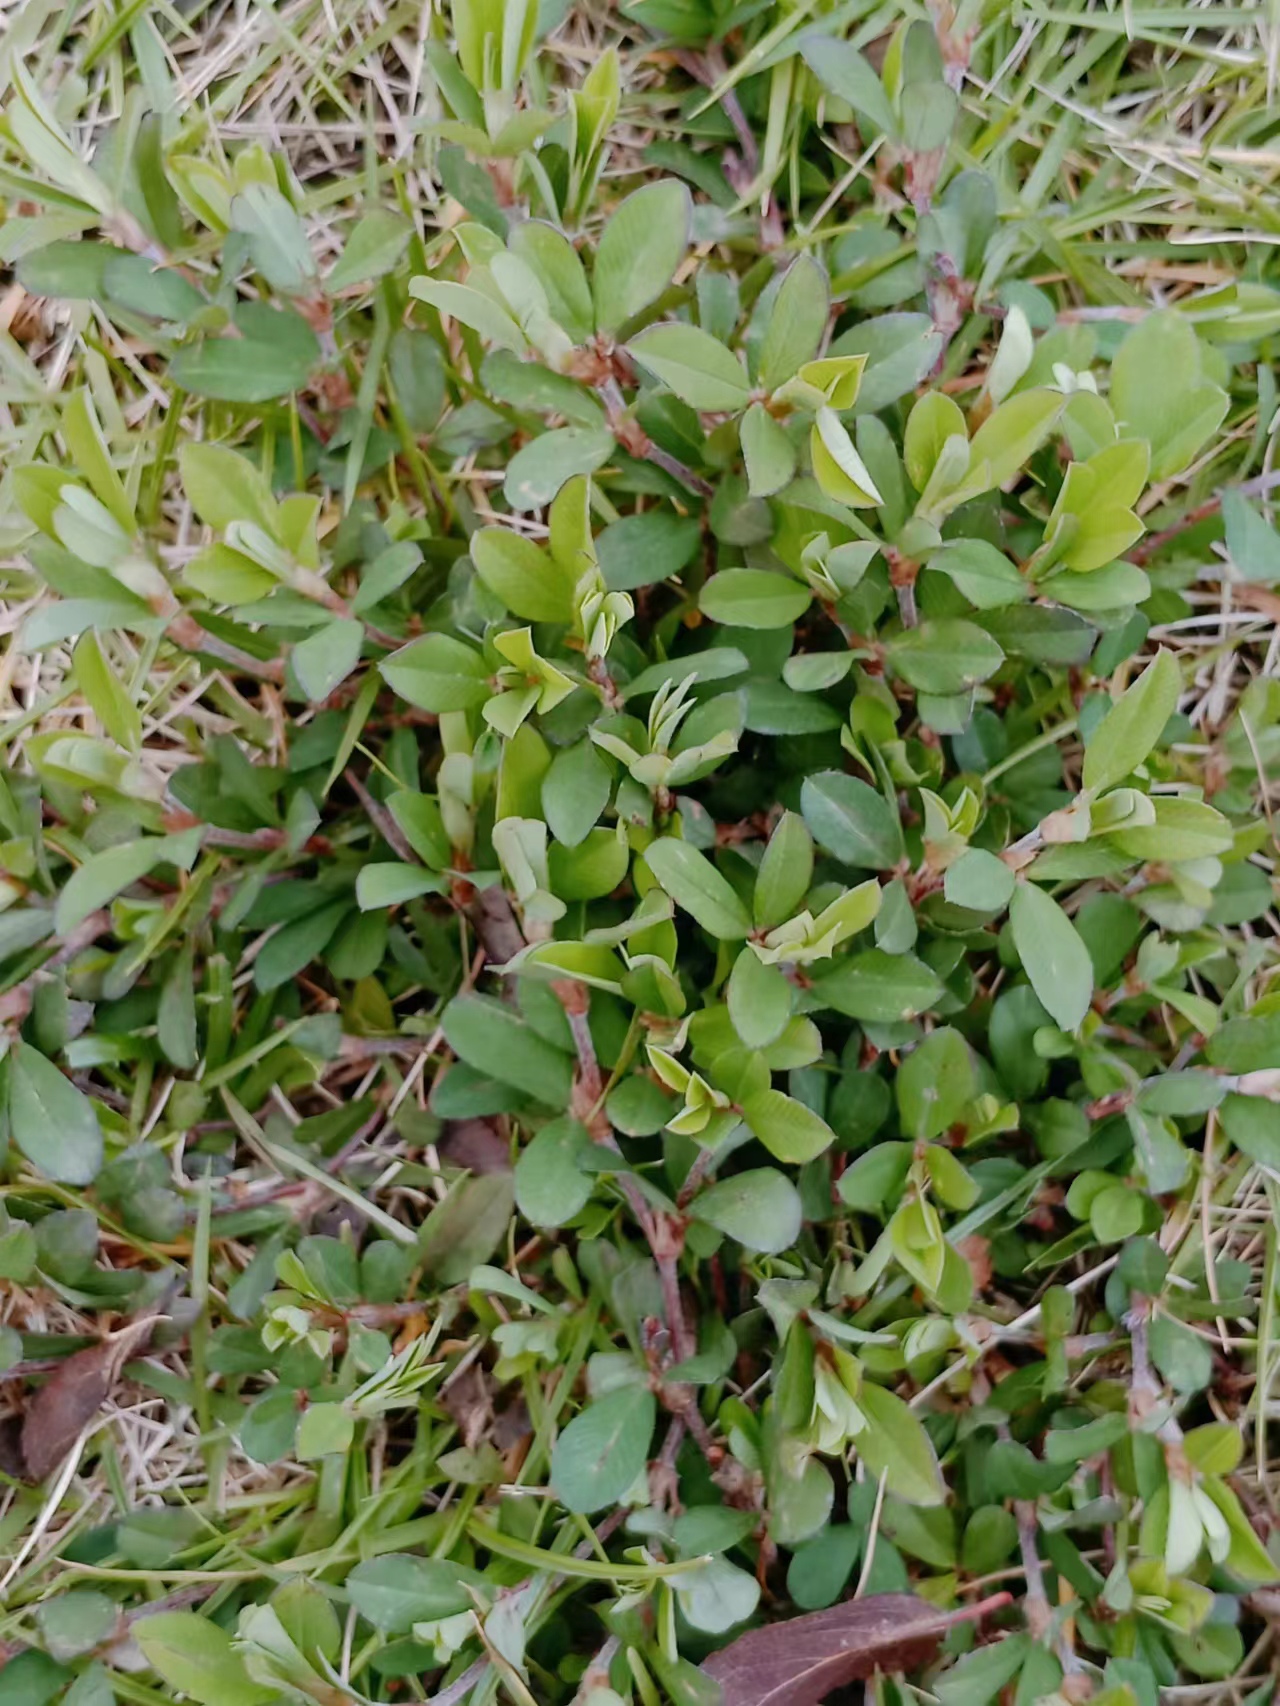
pixel 495 924
pixel 1261 598
pixel 800 1662
pixel 71 1398
pixel 976 1251
pixel 476 1146
pixel 468 1400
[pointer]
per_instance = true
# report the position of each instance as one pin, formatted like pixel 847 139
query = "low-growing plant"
pixel 621 945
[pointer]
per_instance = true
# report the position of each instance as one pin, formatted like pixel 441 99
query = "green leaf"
pixel 1011 434
pixel 1133 725
pixel 797 320
pixel 136 283
pixel 933 421
pixel 716 1596
pixel 575 791
pixel 1253 545
pixel 276 238
pixel 1114 587
pixel 438 673
pixel 1052 954
pixel 640 248
pixel 526 578
pixel 373 249
pixel 641 550
pixel 946 655
pixel 76 1622
pixel 296 944
pixel 555 262
pixel 551 1183
pixel 467 1227
pixel 851 820
pixel 1183 829
pixel 197 1658
pixel 979 1677
pixel 878 988
pixel 979 881
pixel 760 1000
pixel 603 1451
pixel 694 884
pixel 73 271
pixel 106 693
pixel 1247 1558
pixel 105 875
pixel 717 663
pixel 35 128
pixel 399 1589
pixel 800 1504
pixel 786 870
pixel 548 462
pixel 845 73
pixel 1184 1359
pixel 984 575
pixel 761 1209
pixel 326 657
pixel 701 372
pixel 754 598
pixel 1044 633
pixel 274 355
pixel 894 1444
pixel 324 1430
pixel 901 350
pixel 386 574
pixel 1158 393
pixel 837 467
pixel 590 870
pixel 768 452
pixel 471 307
pixel 928 112
pixel 392 884
pixel 495 1039
pixel 91 457
pixel 771 708
pixel 787 1128
pixel 415 368
pixel 225 487
pixel 1253 1125
pixel 1246 1044
pixel 421 822
pixel 935 1084
pixel 1115 1214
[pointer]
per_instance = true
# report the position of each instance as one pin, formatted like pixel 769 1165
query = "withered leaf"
pixel 495 925
pixel 70 1399
pixel 469 1401
pixel 475 1145
pixel 800 1662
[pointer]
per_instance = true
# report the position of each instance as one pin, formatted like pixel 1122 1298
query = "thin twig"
pixel 382 821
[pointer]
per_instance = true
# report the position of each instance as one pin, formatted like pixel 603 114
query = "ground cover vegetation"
pixel 641 1046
